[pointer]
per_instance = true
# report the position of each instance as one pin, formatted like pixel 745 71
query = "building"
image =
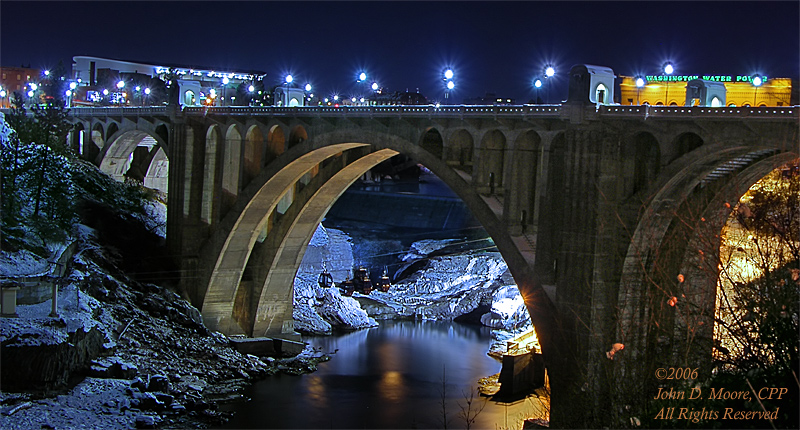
pixel 16 80
pixel 143 83
pixel 739 90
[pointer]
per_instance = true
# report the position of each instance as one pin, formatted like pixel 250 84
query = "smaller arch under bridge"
pixel 591 207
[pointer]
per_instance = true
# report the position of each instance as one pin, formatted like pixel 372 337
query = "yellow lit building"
pixel 739 90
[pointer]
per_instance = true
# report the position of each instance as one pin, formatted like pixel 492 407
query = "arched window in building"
pixel 189 98
pixel 294 102
pixel 600 93
pixel 716 102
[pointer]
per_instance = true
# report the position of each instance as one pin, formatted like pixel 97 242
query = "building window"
pixel 716 102
pixel 600 93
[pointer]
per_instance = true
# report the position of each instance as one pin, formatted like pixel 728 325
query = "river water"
pixel 389 376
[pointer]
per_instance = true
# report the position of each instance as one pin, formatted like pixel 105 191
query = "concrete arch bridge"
pixel 596 209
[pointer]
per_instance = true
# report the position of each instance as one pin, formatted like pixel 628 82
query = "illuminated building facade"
pixel 15 80
pixel 98 78
pixel 740 90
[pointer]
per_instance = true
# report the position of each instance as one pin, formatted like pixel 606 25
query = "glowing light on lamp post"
pixel 549 72
pixel 447 77
pixel 362 77
pixel 225 82
pixel 757 81
pixel 639 86
pixel 668 70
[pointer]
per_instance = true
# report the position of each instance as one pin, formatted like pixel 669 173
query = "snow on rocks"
pixel 449 287
pixel 508 310
pixel 321 310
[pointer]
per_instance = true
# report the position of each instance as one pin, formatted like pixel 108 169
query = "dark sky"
pixel 492 46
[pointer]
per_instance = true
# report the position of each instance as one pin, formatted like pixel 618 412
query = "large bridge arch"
pixel 679 234
pixel 250 240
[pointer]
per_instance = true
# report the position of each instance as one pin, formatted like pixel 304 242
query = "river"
pixel 390 376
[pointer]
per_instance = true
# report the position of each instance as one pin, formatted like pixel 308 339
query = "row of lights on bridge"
pixel 447 78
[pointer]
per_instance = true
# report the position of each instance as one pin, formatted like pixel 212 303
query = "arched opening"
pixel 231 169
pixel 669 286
pixel 490 176
pixel 641 162
pixel 189 98
pixel 162 132
pixel 157 175
pixel 294 102
pixel 129 157
pixel 276 143
pixel 262 223
pixel 250 288
pixel 209 203
pixel 459 151
pixel 716 102
pixel 431 141
pixel 77 136
pixel 601 93
pixel 297 136
pixel 92 150
pixel 254 144
pixel 551 218
pixel 684 144
pixel 523 173
pixel 756 318
pixel 112 129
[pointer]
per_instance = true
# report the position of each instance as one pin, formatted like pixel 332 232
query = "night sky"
pixel 495 47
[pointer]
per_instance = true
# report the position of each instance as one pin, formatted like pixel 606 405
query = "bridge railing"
pixel 118 111
pixel 430 111
pixel 370 111
pixel 683 112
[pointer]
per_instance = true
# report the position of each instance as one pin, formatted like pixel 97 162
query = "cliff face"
pixel 28 363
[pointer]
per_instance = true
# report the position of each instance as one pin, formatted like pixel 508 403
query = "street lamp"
pixel 2 97
pixel 549 72
pixel 120 86
pixel 447 77
pixel 250 90
pixel 146 93
pixel 538 85
pixel 757 81
pixel 310 96
pixel 361 77
pixel 225 82
pixel 668 69
pixel 639 86
pixel 375 87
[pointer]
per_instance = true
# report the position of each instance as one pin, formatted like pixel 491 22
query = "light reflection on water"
pixel 386 377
